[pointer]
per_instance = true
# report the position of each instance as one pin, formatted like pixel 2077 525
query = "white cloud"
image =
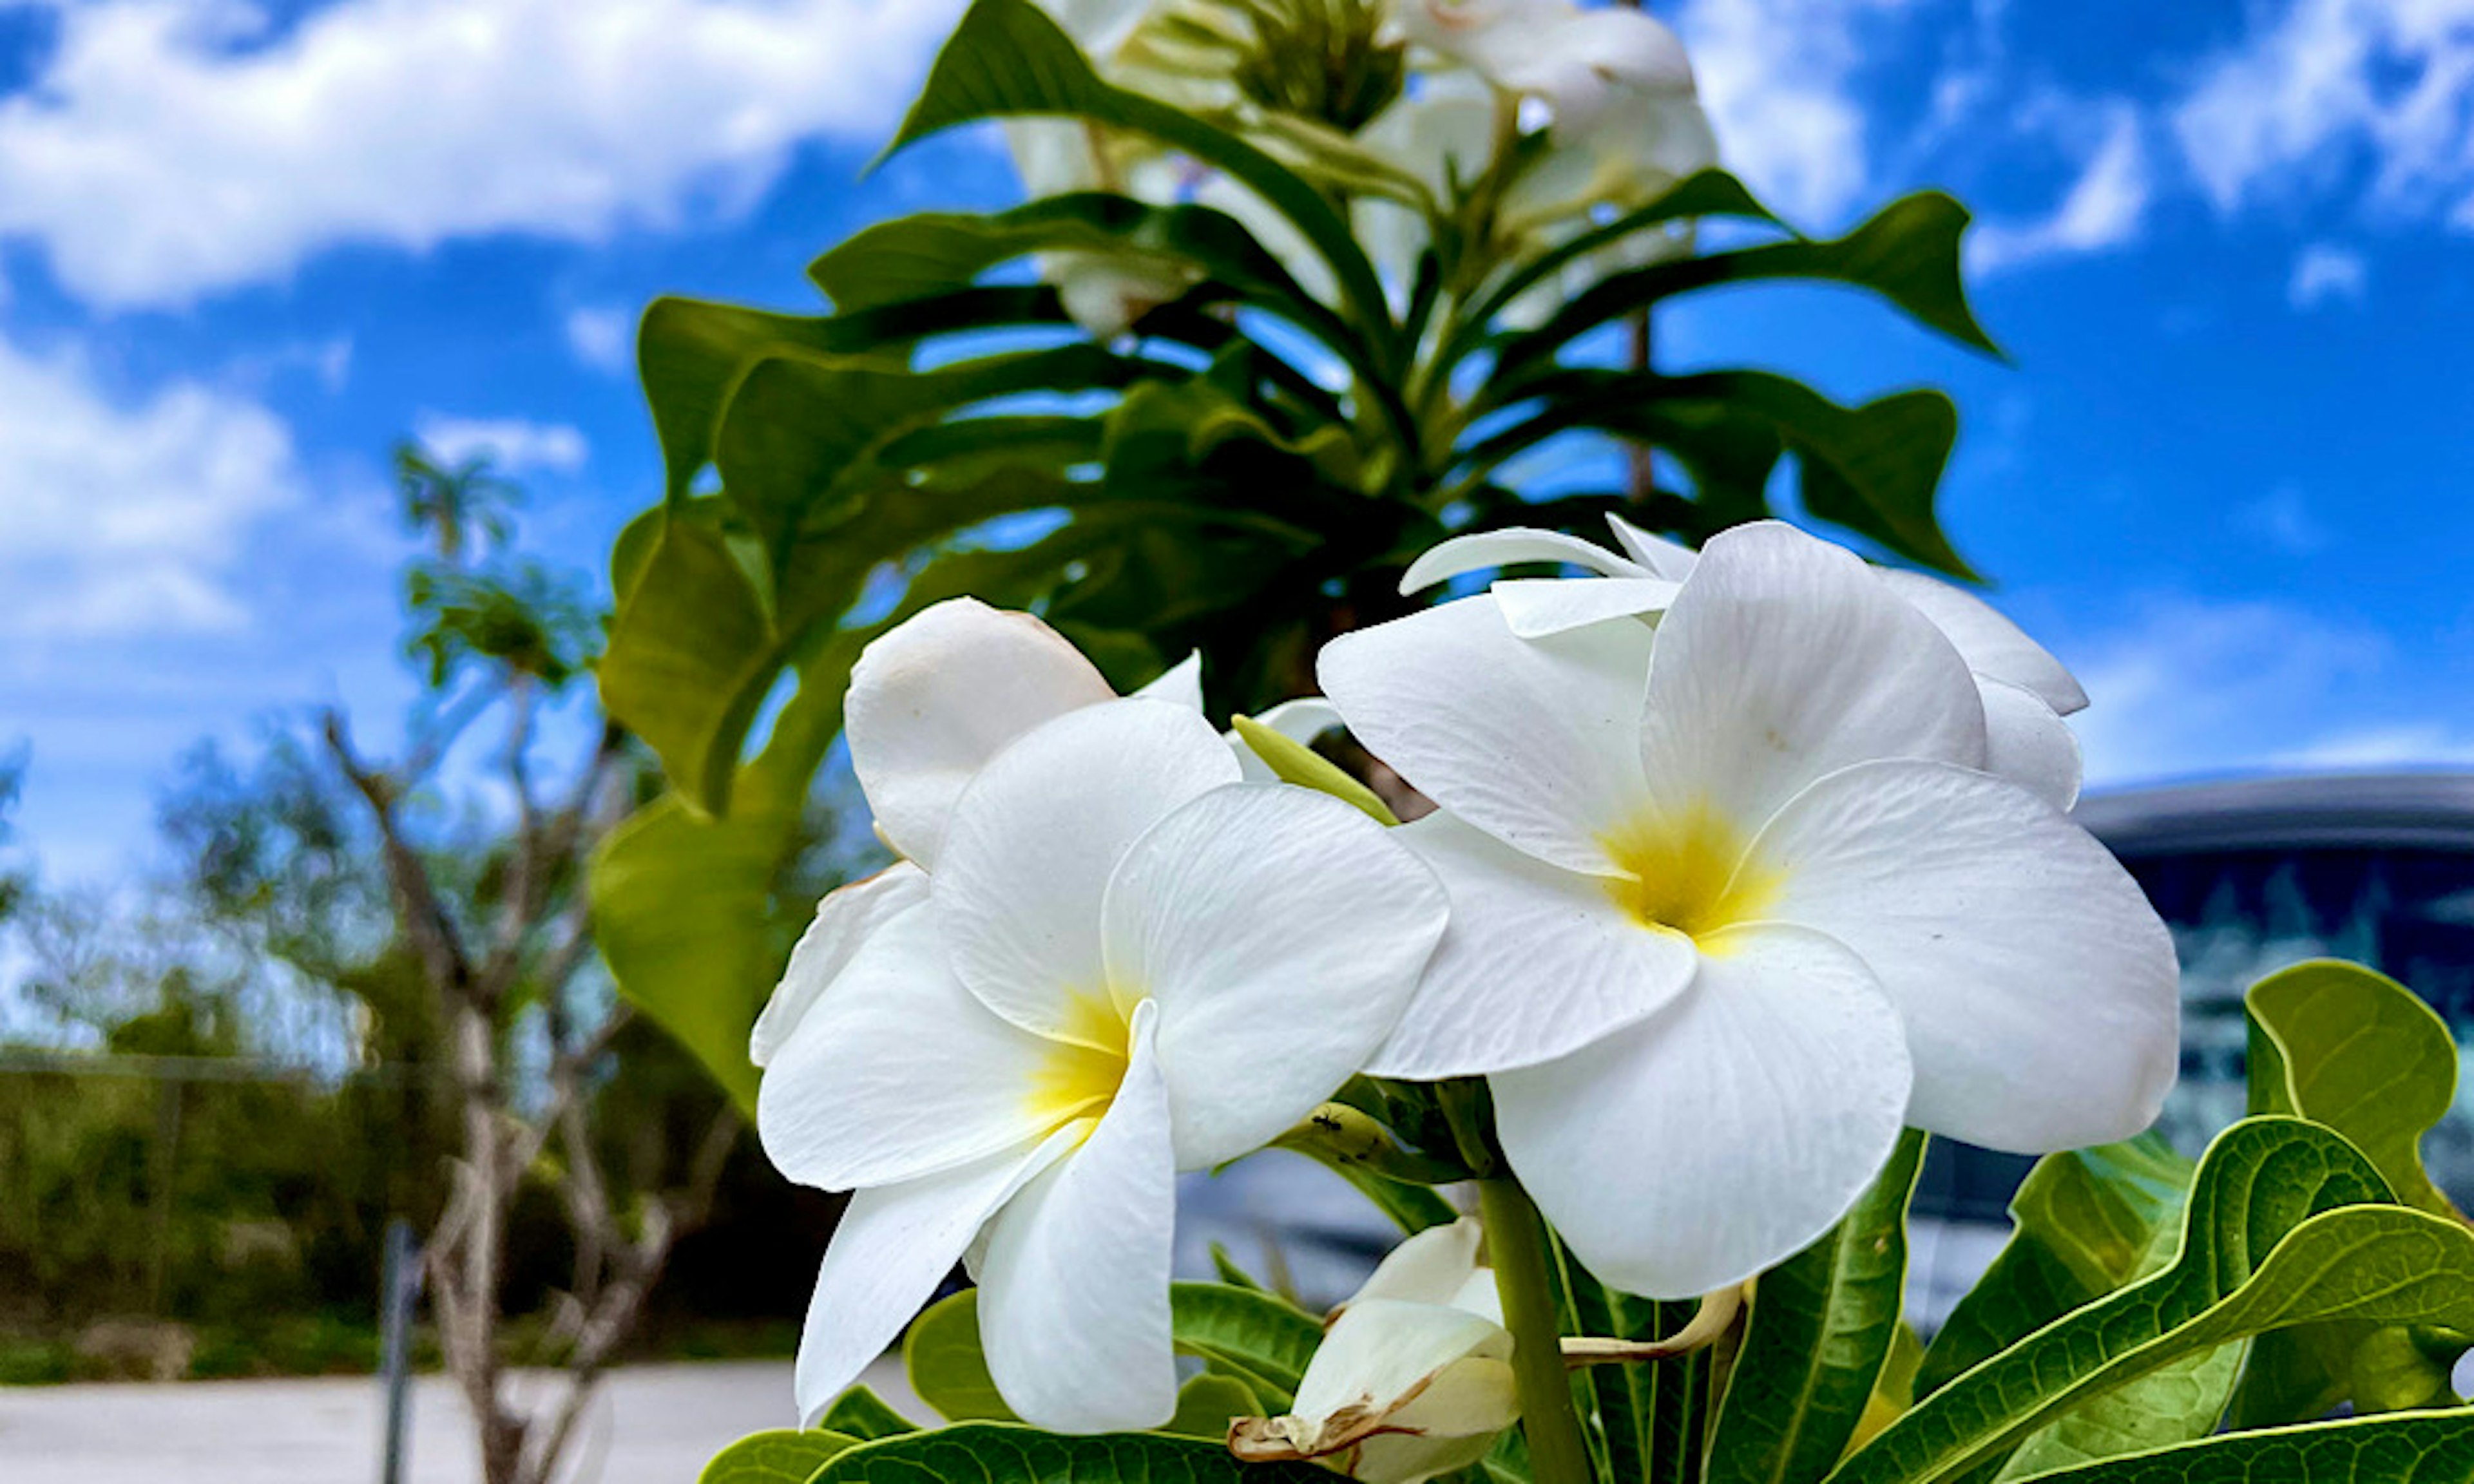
pixel 602 336
pixel 2403 745
pixel 2283 518
pixel 2322 270
pixel 130 518
pixel 1777 76
pixel 2328 83
pixel 513 445
pixel 2102 209
pixel 173 148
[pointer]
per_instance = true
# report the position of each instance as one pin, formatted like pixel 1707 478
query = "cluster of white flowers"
pixel 1739 862
pixel 1609 89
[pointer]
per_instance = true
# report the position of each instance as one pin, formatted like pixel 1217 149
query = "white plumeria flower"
pixel 2025 690
pixel 930 702
pixel 1128 963
pixel 1733 899
pixel 1414 1376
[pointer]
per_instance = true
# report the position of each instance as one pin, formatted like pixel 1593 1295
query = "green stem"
pixel 1515 1240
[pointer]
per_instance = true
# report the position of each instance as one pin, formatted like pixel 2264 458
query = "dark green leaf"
pixel 861 1413
pixel 1821 1329
pixel 997 1453
pixel 1207 1404
pixel 947 1368
pixel 2432 1448
pixel 1252 1337
pixel 784 1457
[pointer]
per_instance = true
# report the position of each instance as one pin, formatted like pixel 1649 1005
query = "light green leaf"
pixel 1008 60
pixel 997 1453
pixel 2287 1225
pixel 2179 1404
pixel 1821 1329
pixel 2430 1448
pixel 1256 1338
pixel 1295 762
pixel 1207 1404
pixel 861 1413
pixel 947 1368
pixel 784 1457
pixel 2085 1222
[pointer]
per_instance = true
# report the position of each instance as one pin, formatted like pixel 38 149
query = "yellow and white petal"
pixel 1695 1149
pixel 1536 962
pixel 2026 743
pixel 1280 932
pixel 1534 741
pixel 1536 607
pixel 2038 986
pixel 1073 1308
pixel 898 1072
pixel 935 698
pixel 892 1247
pixel 1018 889
pixel 845 919
pixel 1181 684
pixel 1784 659
pixel 1989 643
pixel 1484 551
pixel 1661 557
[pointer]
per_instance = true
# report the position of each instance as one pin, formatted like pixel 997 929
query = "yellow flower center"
pixel 1690 872
pixel 1084 1062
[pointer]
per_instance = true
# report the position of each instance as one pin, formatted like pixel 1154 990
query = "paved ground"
pixel 654 1424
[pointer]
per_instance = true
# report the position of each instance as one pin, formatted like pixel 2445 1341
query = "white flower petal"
pixel 1383 1350
pixel 932 700
pixel 1432 1267
pixel 1724 1133
pixel 1784 659
pixel 846 1101
pixel 1280 932
pixel 1534 606
pixel 2038 986
pixel 1181 684
pixel 892 1247
pixel 1534 741
pixel 1073 1308
pixel 1026 861
pixel 845 919
pixel 2026 743
pixel 1661 557
pixel 1301 720
pixel 1486 550
pixel 1536 962
pixel 1989 643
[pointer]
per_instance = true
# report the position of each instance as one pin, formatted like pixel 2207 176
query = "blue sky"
pixel 243 248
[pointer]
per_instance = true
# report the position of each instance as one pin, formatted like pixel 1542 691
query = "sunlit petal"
pixel 2038 986
pixel 1486 550
pixel 1661 557
pixel 1534 741
pixel 935 698
pixel 897 1071
pixel 1034 842
pixel 1534 606
pixel 2027 743
pixel 1726 1132
pixel 1280 932
pixel 1784 659
pixel 1989 643
pixel 1073 1308
pixel 1181 684
pixel 845 919
pixel 1536 962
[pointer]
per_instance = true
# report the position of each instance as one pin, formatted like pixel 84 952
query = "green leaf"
pixel 2430 1448
pixel 2083 1224
pixel 783 1457
pixel 2179 1404
pixel 1252 1337
pixel 1907 252
pixel 1231 1274
pixel 1295 762
pixel 997 1453
pixel 1008 60
pixel 861 1413
pixel 2287 1225
pixel 947 1368
pixel 2343 1045
pixel 1822 1327
pixel 1207 1404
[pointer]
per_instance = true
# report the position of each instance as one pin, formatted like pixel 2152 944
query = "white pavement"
pixel 653 1424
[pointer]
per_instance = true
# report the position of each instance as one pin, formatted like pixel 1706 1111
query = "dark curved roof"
pixel 2431 811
